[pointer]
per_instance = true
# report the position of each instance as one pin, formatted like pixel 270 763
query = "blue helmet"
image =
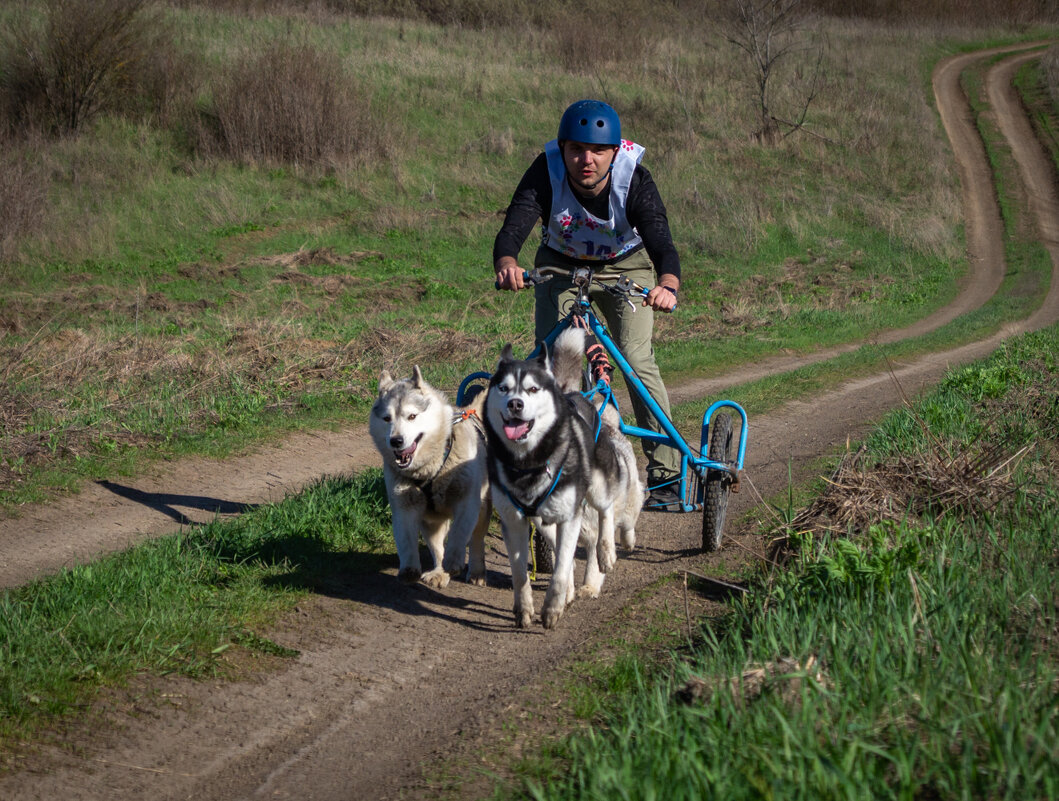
pixel 592 122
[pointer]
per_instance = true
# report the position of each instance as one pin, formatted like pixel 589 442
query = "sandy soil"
pixel 400 692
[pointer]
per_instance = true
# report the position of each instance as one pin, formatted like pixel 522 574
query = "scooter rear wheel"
pixel 718 483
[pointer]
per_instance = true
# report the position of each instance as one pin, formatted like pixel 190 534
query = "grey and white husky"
pixel 434 464
pixel 553 461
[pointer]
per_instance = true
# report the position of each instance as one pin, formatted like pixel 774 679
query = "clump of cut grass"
pixel 966 483
pixel 960 450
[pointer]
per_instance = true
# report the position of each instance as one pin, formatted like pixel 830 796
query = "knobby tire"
pixel 718 483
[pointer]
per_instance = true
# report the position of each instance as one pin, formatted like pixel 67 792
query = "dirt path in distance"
pixel 398 691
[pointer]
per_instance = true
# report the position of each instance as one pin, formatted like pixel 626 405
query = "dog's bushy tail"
pixel 568 359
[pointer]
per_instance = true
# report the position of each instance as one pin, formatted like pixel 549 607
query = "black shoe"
pixel 663 499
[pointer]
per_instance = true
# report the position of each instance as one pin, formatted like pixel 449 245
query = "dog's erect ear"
pixel 542 357
pixel 507 355
pixel 385 381
pixel 417 377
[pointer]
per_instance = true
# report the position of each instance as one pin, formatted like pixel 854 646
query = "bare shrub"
pixel 23 194
pixel 165 85
pixel 288 105
pixel 77 60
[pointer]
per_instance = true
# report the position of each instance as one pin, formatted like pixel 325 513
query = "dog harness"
pixel 531 510
pixel 427 487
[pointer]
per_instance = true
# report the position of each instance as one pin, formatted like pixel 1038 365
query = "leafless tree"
pixel 775 34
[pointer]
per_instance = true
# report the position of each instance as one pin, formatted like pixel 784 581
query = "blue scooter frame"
pixel 697 469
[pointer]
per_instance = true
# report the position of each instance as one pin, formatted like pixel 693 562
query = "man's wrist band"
pixel 669 289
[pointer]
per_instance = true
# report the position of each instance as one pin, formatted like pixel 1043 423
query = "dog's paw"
pixel 628 538
pixel 476 579
pixel 550 616
pixel 454 567
pixel 606 557
pixel 409 575
pixel 436 578
pixel 588 592
pixel 523 618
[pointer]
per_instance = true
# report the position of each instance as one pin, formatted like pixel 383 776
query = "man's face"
pixel 588 165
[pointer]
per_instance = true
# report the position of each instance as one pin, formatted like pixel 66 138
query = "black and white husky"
pixel 553 460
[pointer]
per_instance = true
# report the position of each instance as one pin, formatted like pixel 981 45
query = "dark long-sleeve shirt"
pixel 532 201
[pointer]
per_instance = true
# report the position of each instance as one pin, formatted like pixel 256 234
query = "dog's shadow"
pixel 166 502
pixel 370 579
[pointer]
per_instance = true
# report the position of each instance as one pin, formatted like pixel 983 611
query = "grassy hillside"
pixel 272 204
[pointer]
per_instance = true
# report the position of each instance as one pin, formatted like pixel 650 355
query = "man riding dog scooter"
pixel 600 208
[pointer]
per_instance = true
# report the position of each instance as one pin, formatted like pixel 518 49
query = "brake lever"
pixel 626 287
pixel 535 276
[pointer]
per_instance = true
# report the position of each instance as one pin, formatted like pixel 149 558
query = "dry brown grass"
pixel 23 195
pixel 972 12
pixel 290 105
pixel 968 482
pixel 787 677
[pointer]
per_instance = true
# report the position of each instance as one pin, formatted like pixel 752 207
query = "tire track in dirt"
pixel 395 685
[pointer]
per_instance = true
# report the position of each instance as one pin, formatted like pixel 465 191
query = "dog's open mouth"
pixel 404 457
pixel 515 429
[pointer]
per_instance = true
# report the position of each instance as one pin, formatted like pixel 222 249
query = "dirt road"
pixel 398 690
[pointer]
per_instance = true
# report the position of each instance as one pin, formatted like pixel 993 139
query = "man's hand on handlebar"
pixel 509 275
pixel 660 298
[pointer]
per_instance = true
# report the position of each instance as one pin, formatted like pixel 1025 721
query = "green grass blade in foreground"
pixel 176 604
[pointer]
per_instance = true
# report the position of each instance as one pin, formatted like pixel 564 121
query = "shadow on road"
pixel 165 502
pixel 370 579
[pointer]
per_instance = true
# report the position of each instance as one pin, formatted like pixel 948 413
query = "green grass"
pixel 178 604
pixel 1032 84
pixel 908 660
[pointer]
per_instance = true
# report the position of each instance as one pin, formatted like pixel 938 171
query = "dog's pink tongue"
pixel 516 430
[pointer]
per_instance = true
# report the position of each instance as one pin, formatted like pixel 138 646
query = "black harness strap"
pixel 531 510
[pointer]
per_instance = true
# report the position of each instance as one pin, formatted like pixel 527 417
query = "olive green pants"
pixel 631 329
